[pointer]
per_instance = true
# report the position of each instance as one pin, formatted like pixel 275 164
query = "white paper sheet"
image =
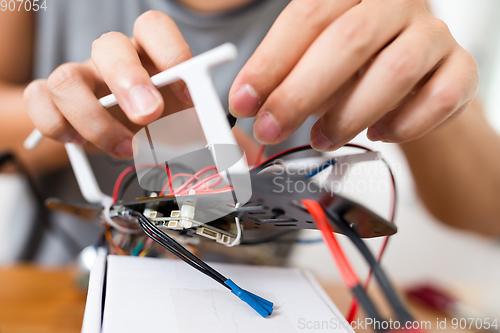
pixel 160 295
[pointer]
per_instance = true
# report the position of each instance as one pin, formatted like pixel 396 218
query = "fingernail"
pixel 319 141
pixel 124 149
pixel 245 101
pixel 267 129
pixel 143 100
pixel 372 134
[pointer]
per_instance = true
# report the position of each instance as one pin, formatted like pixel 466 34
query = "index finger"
pixel 159 40
pixel 115 57
pixel 293 32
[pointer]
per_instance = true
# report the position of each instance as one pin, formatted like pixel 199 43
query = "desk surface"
pixel 35 299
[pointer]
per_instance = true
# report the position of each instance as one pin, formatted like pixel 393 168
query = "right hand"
pixel 65 107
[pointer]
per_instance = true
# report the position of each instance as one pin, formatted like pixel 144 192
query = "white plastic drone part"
pixel 195 72
pixel 237 240
pixel 345 162
pixel 187 214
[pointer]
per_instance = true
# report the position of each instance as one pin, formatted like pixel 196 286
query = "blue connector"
pixel 262 306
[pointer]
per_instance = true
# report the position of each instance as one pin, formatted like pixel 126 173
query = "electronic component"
pixel 271 209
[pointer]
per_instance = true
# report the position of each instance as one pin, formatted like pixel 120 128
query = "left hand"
pixel 386 65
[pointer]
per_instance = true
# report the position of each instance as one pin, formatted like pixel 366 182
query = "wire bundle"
pixel 348 274
pixel 215 178
pixel 321 217
pixel 379 273
pixel 270 161
pixel 193 182
pixel 137 245
pixel 262 306
pixel 176 249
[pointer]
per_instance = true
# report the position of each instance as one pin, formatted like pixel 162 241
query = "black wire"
pixel 42 222
pixel 197 264
pixel 4 157
pixel 125 185
pixel 130 178
pixel 128 181
pixel 368 306
pixel 151 229
pixel 9 157
pixel 269 161
pixel 177 249
pixel 379 273
pixel 150 233
pixel 159 178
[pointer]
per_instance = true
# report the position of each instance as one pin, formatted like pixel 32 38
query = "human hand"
pixel 65 107
pixel 386 65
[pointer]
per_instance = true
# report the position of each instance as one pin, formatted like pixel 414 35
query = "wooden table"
pixel 36 299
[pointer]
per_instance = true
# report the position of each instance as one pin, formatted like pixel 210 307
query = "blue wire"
pixel 309 241
pixel 138 248
pixel 321 168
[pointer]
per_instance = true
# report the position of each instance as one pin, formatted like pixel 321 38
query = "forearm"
pixel 15 126
pixel 457 172
pixel 16 57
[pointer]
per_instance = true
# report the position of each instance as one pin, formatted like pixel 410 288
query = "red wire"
pixel 201 181
pixel 128 170
pixel 187 182
pixel 209 178
pixel 169 174
pixel 220 190
pixel 119 181
pixel 319 217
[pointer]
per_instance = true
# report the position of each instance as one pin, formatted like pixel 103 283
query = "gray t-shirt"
pixel 65 32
